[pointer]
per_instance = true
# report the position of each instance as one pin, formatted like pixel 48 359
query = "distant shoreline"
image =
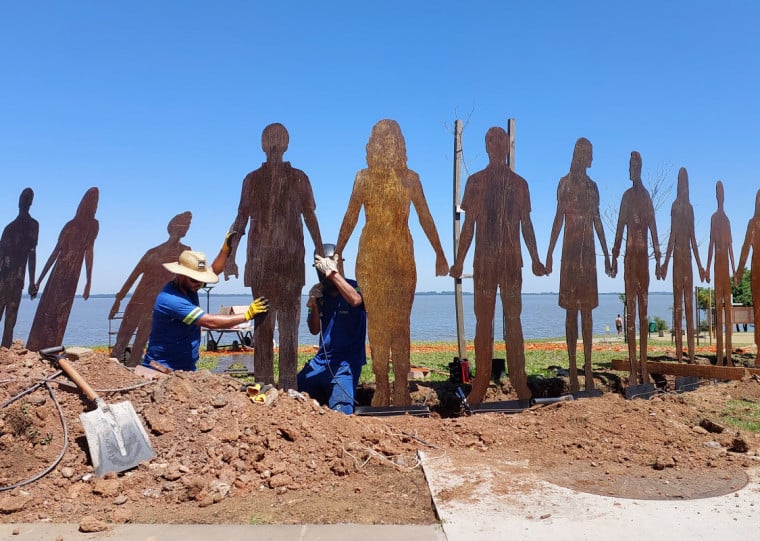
pixel 420 293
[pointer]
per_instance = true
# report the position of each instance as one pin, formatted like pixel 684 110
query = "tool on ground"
pixel 463 399
pixel 257 393
pixel 115 436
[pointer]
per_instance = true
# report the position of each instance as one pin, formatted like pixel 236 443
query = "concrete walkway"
pixel 184 532
pixel 508 501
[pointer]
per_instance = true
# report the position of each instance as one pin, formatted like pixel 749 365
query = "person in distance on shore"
pixel 175 334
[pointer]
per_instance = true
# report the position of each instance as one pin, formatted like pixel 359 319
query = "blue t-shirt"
pixel 344 330
pixel 174 337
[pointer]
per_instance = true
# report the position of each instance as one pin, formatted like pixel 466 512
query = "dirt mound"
pixel 221 458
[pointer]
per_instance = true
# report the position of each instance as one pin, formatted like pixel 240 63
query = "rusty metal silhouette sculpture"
pixel 721 246
pixel 274 199
pixel 637 217
pixel 152 276
pixel 74 248
pixel 578 208
pixel 385 268
pixel 18 251
pixel 752 241
pixel 681 245
pixel 496 203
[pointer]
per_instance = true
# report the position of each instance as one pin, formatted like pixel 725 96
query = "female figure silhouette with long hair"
pixel 578 208
pixel 681 244
pixel 385 268
pixel 74 247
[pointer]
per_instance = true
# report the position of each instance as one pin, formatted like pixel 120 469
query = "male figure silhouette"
pixel 578 208
pixel 752 241
pixel 637 217
pixel 274 199
pixel 496 203
pixel 385 268
pixel 138 314
pixel 681 244
pixel 18 251
pixel 74 247
pixel 722 246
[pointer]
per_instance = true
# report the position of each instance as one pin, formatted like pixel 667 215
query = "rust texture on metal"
pixel 18 246
pixel 752 241
pixel 385 267
pixel 636 219
pixel 496 203
pixel 74 248
pixel 276 200
pixel 721 248
pixel 681 245
pixel 578 210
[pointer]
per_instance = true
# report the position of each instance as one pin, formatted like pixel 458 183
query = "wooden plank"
pixel 700 370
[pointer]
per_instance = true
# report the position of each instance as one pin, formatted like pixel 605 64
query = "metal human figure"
pixel 721 246
pixel 496 202
pixel 681 244
pixel 385 267
pixel 274 199
pixel 18 251
pixel 74 247
pixel 637 216
pixel 752 240
pixel 138 314
pixel 578 208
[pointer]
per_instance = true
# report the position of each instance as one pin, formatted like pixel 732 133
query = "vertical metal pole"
pixel 458 300
pixel 696 312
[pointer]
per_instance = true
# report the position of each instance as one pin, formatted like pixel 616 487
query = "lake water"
pixel 433 317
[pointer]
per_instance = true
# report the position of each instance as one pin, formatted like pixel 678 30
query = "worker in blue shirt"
pixel 337 314
pixel 175 334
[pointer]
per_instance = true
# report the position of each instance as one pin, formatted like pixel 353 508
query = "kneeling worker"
pixel 175 333
pixel 337 314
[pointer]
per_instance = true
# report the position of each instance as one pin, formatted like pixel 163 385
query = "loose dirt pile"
pixel 221 458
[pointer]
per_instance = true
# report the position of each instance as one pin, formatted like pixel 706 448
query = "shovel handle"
pixel 59 354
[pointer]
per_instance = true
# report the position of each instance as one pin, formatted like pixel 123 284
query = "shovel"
pixel 115 436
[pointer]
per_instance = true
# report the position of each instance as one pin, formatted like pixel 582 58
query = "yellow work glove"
pixel 258 306
pixel 227 244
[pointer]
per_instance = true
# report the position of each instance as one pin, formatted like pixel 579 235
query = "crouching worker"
pixel 335 312
pixel 175 333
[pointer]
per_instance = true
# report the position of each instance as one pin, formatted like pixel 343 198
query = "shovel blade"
pixel 116 438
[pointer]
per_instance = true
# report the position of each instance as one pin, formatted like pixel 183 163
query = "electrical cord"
pixel 52 466
pixel 329 364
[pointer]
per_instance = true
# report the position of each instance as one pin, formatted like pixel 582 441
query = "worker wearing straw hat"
pixel 175 334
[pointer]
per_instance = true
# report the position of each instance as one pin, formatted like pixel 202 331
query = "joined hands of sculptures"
pixel 681 245
pixel 578 208
pixel 496 203
pixel 636 217
pixel 74 247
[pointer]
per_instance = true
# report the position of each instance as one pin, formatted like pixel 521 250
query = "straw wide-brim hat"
pixel 193 265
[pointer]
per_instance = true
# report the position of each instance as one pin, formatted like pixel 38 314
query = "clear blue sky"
pixel 161 105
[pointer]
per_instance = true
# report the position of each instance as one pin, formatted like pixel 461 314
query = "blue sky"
pixel 161 105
